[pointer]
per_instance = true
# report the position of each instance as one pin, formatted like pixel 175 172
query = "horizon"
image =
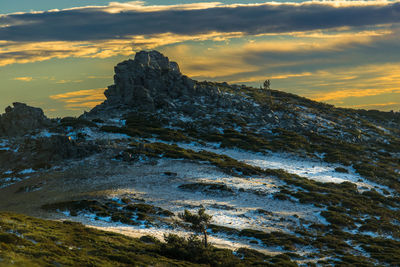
pixel 60 56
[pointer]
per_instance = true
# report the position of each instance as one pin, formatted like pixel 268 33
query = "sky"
pixel 60 55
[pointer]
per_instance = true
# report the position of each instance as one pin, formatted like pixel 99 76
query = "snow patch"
pixel 27 171
pixel 313 169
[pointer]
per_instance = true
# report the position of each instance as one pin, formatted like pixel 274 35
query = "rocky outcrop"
pixel 55 148
pixel 22 119
pixel 42 152
pixel 153 84
pixel 148 82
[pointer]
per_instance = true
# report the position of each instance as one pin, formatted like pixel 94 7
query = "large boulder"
pixel 147 82
pixel 22 119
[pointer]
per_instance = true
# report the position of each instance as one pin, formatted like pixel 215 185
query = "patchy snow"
pixel 27 171
pixel 313 169
pixel 44 133
pixel 306 117
pixel 219 240
pixel 386 131
pixel 4 145
pixel 66 213
pixel 116 122
pixel 92 134
pixel 250 204
pixel 5 182
pixel 184 118
pixel 240 210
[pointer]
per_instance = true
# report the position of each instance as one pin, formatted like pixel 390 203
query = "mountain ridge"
pixel 291 176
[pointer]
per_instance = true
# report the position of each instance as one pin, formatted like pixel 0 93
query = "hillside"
pixel 283 175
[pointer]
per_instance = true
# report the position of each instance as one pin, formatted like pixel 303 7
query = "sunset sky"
pixel 59 55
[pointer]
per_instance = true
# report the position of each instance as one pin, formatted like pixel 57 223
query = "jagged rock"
pixel 22 119
pixel 152 84
pixel 147 82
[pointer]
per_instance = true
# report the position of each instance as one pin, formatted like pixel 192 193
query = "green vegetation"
pixel 198 222
pixel 27 241
pixel 208 188
pixel 346 206
pixel 366 158
pixel 146 126
pixel 225 163
pixel 125 212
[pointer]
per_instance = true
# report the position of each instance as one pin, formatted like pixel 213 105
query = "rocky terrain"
pixel 285 178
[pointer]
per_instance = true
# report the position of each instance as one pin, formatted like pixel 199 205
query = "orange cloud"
pixel 68 81
pixel 273 77
pixel 23 79
pixel 139 6
pixel 354 93
pixel 23 52
pixel 376 105
pixel 81 99
pixel 369 80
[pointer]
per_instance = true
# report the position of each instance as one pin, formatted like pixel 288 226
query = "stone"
pixel 22 119
pixel 140 81
pixel 152 84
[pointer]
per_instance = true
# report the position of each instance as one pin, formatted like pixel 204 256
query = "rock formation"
pixel 151 83
pixel 148 82
pixel 22 119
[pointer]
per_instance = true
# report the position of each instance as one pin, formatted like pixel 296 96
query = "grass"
pixel 125 212
pixel 345 206
pixel 368 160
pixel 209 188
pixel 28 241
pixel 372 159
pixel 225 163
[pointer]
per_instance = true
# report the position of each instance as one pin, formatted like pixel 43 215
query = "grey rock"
pixel 151 83
pixel 22 119
pixel 139 82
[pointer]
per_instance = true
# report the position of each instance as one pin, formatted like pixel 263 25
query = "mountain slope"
pixel 282 175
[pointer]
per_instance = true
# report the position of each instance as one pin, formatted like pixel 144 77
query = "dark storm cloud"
pixel 99 24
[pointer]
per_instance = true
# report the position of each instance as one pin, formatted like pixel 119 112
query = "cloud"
pixel 27 52
pixel 81 99
pixel 121 20
pixel 122 28
pixel 99 77
pixel 386 106
pixel 337 95
pixel 328 70
pixel 68 81
pixel 285 57
pixel 352 83
pixel 376 105
pixel 23 79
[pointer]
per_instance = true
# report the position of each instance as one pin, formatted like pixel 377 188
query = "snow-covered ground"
pixel 313 169
pixel 7 181
pixel 240 210
pixel 5 145
pixel 249 205
pixel 91 134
